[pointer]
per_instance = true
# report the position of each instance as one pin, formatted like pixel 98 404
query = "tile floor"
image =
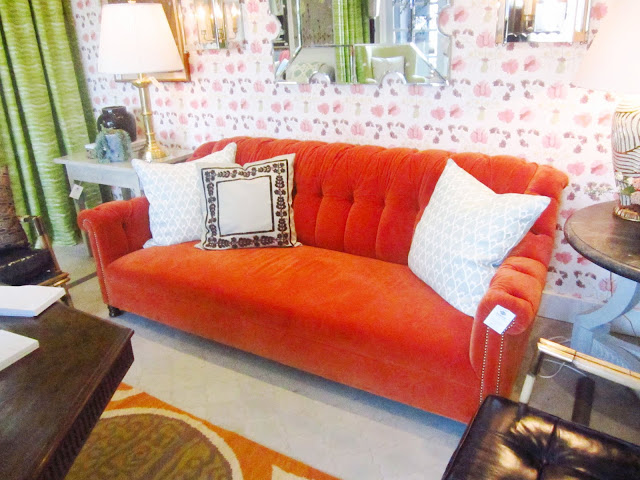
pixel 342 431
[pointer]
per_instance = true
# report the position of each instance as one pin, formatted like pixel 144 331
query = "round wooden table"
pixel 614 244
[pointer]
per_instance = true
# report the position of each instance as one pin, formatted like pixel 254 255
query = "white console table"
pixel 81 168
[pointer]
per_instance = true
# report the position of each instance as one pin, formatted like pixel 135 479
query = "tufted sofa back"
pixel 367 200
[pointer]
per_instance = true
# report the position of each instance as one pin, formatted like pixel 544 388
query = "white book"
pixel 27 300
pixel 13 347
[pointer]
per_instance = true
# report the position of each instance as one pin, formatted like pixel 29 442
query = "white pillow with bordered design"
pixel 174 197
pixel 465 233
pixel 248 206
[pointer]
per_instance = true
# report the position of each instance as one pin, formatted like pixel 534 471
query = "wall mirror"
pixel 361 41
pixel 564 21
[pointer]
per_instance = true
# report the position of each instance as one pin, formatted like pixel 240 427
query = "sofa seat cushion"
pixel 353 303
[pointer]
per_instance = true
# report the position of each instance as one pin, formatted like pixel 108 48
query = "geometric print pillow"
pixel 11 232
pixel 248 206
pixel 174 197
pixel 465 233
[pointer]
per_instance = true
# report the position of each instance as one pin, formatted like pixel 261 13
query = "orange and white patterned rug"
pixel 141 437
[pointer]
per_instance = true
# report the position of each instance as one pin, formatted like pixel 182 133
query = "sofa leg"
pixel 114 311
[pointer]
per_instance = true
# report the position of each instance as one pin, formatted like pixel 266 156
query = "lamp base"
pixel 152 151
pixel 627 213
pixel 625 145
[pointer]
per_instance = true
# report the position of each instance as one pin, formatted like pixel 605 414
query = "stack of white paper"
pixel 27 300
pixel 13 347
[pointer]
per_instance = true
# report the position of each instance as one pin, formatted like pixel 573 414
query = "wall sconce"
pixel 543 21
pixel 219 23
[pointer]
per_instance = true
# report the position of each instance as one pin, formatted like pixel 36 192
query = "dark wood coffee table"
pixel 51 399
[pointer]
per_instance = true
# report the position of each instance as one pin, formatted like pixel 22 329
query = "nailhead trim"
pixel 484 363
pixel 500 362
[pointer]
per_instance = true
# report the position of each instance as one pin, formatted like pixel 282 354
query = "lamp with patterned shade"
pixel 612 63
pixel 135 38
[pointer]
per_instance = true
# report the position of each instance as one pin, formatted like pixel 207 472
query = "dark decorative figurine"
pixel 118 117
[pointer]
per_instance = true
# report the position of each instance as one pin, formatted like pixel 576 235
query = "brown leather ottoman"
pixel 509 440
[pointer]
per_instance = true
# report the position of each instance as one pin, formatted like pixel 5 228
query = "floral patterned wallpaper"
pixel 515 99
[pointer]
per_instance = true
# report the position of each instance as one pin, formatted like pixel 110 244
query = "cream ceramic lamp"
pixel 612 63
pixel 135 38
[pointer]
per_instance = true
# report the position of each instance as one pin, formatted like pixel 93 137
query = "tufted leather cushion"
pixel 24 265
pixel 511 441
pixel 370 208
pixel 11 232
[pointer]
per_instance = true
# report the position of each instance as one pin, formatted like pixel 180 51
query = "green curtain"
pixel 350 26
pixel 45 110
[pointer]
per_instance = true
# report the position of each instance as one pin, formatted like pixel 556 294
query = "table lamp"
pixel 612 63
pixel 135 38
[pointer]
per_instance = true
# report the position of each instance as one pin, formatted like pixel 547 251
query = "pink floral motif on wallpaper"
pixel 510 66
pixel 598 10
pixel 557 91
pixel 485 40
pixel 576 169
pixel 527 114
pixel 482 89
pixel 531 64
pixel 457 65
pixel 515 99
pixel 378 110
pixel 551 140
pixel 506 116
pixel 438 113
pixel 479 136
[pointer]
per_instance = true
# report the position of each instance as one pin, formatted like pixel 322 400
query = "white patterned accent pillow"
pixel 174 197
pixel 465 233
pixel 248 206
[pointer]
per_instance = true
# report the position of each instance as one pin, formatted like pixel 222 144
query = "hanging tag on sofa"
pixel 499 319
pixel 76 191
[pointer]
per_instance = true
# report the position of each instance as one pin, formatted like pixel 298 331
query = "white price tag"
pixel 499 319
pixel 76 191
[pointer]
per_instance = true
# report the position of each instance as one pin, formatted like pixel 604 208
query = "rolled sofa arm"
pixel 517 286
pixel 115 229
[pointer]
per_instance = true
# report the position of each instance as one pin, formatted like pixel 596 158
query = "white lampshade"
pixel 136 38
pixel 612 62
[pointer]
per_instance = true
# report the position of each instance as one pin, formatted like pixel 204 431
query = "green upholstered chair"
pixel 368 55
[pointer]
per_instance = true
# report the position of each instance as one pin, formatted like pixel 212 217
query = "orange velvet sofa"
pixel 345 305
